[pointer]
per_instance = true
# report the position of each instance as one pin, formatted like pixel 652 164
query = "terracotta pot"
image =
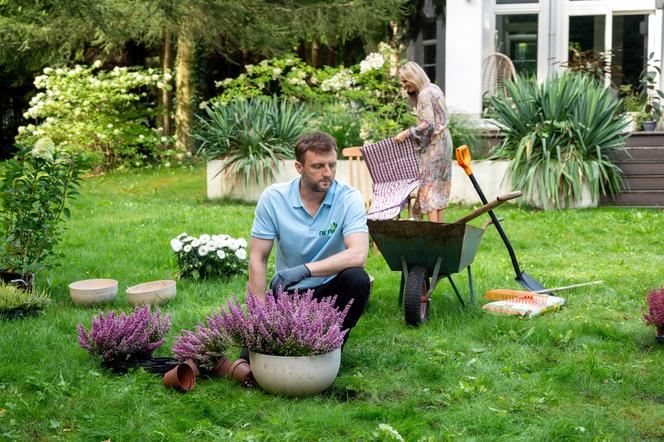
pixel 181 377
pixel 240 370
pixel 223 364
pixel 190 362
pixel 295 375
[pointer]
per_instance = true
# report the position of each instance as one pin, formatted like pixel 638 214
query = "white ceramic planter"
pixel 295 375
pixel 93 291
pixel 154 292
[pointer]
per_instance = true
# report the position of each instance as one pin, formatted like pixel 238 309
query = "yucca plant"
pixel 252 135
pixel 559 135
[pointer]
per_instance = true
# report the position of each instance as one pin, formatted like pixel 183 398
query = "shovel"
pixel 523 278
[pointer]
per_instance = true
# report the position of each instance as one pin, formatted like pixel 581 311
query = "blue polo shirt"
pixel 302 238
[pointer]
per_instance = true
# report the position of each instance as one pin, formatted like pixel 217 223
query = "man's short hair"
pixel 315 142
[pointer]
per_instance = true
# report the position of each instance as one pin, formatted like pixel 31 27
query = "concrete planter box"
pixel 491 175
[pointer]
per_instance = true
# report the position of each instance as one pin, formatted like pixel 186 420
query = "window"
pixel 517 38
pixel 429 48
pixel 630 48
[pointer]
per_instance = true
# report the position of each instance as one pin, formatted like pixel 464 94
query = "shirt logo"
pixel 328 232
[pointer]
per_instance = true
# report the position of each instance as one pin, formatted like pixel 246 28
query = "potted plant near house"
pixel 655 315
pixel 652 111
pixel 127 340
pixel 205 348
pixel 294 341
pixel 35 187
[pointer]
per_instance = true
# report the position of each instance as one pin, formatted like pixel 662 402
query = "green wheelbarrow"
pixel 426 252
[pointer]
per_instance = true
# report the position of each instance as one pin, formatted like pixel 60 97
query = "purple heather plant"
pixel 655 301
pixel 205 345
pixel 124 337
pixel 290 325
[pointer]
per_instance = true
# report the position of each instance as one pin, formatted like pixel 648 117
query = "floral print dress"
pixel 435 150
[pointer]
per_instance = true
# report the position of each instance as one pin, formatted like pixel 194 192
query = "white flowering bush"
pixel 108 113
pixel 210 255
pixel 367 94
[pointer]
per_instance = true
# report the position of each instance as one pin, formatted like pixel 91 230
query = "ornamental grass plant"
pixel 558 135
pixel 124 337
pixel 285 325
pixel 15 302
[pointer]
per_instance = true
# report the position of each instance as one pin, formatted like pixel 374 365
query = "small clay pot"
pixel 190 362
pixel 181 377
pixel 240 370
pixel 223 364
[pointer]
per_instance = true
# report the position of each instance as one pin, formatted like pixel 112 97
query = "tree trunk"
pixel 167 65
pixel 184 115
pixel 331 54
pixel 315 53
pixel 397 48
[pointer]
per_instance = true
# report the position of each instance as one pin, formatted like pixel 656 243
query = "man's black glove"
pixel 287 278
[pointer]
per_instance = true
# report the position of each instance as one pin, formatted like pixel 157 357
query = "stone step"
pixel 649 139
pixel 639 154
pixel 637 198
pixel 643 182
pixel 641 167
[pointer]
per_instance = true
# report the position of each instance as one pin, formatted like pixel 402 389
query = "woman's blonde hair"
pixel 414 73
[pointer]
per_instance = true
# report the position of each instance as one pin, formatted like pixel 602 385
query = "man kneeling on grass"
pixel 321 231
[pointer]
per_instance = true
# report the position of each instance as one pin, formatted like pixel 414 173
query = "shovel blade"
pixel 529 282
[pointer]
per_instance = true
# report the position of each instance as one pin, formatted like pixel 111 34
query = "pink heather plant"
pixel 205 345
pixel 655 301
pixel 290 325
pixel 121 338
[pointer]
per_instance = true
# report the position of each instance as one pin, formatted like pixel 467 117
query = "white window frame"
pixel 541 9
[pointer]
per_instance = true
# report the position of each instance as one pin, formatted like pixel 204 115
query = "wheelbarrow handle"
pixel 487 207
pixel 463 158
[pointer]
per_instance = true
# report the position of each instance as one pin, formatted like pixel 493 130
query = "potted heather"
pixel 126 340
pixel 655 315
pixel 204 348
pixel 294 341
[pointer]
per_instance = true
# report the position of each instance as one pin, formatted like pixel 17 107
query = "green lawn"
pixel 588 372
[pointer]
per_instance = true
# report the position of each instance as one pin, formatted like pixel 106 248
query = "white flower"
pixel 242 242
pixel 187 248
pixel 203 251
pixel 195 242
pixel 221 254
pixel 373 61
pixel 205 237
pixel 96 64
pixel 44 148
pixel 241 254
pixel 176 245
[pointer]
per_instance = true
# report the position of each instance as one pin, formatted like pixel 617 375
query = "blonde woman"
pixel 433 138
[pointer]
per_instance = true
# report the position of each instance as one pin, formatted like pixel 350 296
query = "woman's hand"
pixel 402 136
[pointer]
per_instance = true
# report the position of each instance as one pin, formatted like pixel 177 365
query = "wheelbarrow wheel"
pixel 416 296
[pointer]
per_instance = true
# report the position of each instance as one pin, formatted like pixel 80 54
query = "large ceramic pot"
pixel 295 375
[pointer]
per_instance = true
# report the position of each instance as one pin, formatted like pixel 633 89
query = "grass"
pixel 588 372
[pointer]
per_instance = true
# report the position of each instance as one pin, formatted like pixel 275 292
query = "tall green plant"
pixel 252 135
pixel 34 191
pixel 558 135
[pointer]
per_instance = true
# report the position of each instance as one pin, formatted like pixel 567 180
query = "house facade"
pixel 457 49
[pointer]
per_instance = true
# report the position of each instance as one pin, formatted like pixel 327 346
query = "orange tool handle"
pixel 463 158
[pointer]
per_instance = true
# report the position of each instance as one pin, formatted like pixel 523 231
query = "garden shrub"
pixel 110 114
pixel 35 187
pixel 366 92
pixel 559 134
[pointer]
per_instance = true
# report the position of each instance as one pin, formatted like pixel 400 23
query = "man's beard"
pixel 315 186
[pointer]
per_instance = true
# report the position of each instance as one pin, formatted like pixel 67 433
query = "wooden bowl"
pixel 93 291
pixel 153 292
